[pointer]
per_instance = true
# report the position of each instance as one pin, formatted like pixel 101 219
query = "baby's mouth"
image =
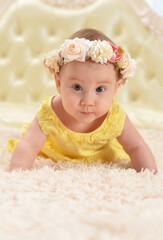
pixel 86 113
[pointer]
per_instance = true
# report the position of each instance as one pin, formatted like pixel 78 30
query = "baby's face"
pixel 87 89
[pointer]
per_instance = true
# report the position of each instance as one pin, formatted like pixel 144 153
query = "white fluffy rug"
pixel 81 202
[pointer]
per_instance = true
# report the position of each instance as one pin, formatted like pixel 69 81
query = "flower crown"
pixel 80 49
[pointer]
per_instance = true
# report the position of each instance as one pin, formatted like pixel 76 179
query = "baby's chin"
pixel 90 118
pixel 86 118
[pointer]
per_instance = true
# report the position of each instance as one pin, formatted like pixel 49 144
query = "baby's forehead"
pixel 91 65
pixel 89 72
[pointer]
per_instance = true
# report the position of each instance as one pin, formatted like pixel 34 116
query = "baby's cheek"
pixel 105 105
pixel 75 97
pixel 70 103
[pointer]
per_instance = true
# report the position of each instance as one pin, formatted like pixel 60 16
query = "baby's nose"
pixel 87 100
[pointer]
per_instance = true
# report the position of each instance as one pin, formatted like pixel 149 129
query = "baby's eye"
pixel 100 89
pixel 77 87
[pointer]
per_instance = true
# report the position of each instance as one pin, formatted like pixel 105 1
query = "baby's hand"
pixel 135 146
pixel 28 147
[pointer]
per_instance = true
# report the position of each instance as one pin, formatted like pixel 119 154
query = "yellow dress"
pixel 64 144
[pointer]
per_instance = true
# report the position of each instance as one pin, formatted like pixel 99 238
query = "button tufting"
pixel 18 33
pixel 117 29
pixel 134 97
pixel 35 98
pixel 150 76
pixel 19 77
pixel 117 32
pixel 3 55
pixel 36 54
pixel 52 33
pixel 134 54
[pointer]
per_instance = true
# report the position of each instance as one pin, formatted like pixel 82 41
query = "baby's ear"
pixel 57 81
pixel 118 84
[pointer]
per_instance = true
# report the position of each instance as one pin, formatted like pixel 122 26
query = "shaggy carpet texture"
pixel 81 201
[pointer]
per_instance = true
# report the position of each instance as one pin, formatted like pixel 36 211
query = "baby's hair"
pixel 93 34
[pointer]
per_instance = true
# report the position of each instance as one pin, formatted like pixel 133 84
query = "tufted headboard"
pixel 31 28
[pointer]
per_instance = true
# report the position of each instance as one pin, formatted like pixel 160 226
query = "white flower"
pixel 74 49
pixel 130 70
pixel 125 60
pixel 100 51
pixel 53 61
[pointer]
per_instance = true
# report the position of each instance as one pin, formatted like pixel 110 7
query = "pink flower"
pixel 74 49
pixel 117 53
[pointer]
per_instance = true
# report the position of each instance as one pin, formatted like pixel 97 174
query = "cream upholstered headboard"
pixel 31 28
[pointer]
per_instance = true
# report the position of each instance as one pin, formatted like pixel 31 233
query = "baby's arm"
pixel 134 145
pixel 28 147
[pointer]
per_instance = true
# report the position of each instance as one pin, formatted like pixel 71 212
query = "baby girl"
pixel 84 123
